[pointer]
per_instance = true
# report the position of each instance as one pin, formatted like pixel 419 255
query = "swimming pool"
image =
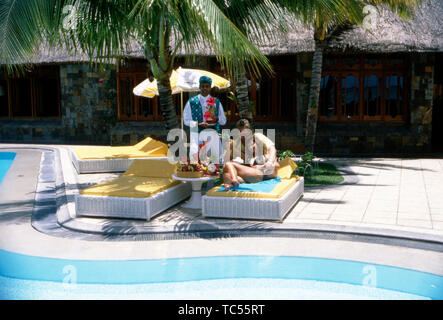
pixel 6 159
pixel 219 277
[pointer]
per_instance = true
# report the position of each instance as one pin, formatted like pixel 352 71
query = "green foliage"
pixel 323 175
pixel 282 154
pixel 219 180
pixel 308 157
pixel 305 164
pixel 252 108
pixel 105 29
pixel 233 98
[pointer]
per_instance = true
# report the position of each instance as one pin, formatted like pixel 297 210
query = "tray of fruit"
pixel 190 170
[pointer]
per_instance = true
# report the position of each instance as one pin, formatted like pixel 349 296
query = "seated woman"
pixel 259 168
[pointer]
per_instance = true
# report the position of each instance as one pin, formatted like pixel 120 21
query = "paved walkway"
pixel 397 198
pixel 401 194
pixel 391 197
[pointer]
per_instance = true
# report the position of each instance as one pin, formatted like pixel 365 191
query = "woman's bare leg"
pixel 230 178
pixel 247 174
pixel 235 173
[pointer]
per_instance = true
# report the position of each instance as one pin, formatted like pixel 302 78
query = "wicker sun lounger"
pixel 116 159
pixel 145 190
pixel 274 205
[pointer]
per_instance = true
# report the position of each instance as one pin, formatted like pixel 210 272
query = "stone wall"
pixel 411 136
pixel 421 100
pixel 88 110
pixel 89 103
pixel 365 138
pixel 89 116
pixel 129 133
pixel 31 130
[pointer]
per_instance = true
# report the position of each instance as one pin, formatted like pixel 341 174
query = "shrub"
pixel 282 154
pixel 306 161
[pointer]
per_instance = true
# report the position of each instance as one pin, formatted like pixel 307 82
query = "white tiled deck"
pixel 391 197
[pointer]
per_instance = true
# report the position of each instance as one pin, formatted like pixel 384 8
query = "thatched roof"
pixel 421 33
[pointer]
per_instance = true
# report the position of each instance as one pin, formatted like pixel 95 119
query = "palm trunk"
pixel 166 104
pixel 314 97
pixel 243 105
pixel 161 59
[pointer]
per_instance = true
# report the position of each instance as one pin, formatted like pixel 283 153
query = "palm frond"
pixel 231 46
pixel 312 12
pixel 202 25
pixel 260 20
pixel 404 8
pixel 101 28
pixel 22 29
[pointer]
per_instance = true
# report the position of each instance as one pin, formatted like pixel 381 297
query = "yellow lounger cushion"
pixel 279 190
pixel 151 168
pixel 145 148
pixel 131 187
pixel 287 167
pixel 152 146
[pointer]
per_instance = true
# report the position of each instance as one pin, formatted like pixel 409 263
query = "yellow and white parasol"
pixel 182 80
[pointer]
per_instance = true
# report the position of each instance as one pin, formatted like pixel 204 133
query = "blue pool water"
pixel 6 159
pixel 220 277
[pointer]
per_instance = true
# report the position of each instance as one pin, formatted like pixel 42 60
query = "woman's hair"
pixel 243 123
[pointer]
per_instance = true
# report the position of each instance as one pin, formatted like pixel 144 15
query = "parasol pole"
pixel 181 108
pixel 181 103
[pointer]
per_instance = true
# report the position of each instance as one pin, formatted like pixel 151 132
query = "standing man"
pixel 208 112
pixel 205 109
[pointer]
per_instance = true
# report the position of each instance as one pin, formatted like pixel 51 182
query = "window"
pixel 350 96
pixel 394 95
pixel 131 107
pixel 132 72
pixel 4 105
pixel 275 98
pixel 328 97
pixel 47 94
pixel 372 97
pixel 265 100
pixel 32 94
pixel 21 97
pixel 363 88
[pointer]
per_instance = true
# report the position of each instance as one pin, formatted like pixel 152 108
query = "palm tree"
pixel 327 26
pixel 276 21
pixel 321 16
pixel 105 29
pixel 255 23
pixel 271 19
